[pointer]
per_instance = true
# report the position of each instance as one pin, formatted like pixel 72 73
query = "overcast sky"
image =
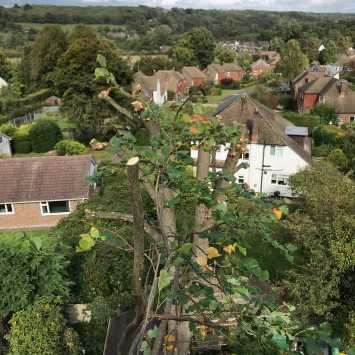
pixel 279 5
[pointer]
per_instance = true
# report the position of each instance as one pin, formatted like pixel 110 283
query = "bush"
pixel 325 112
pixel 44 135
pixel 230 84
pixel 22 143
pixel 304 120
pixel 338 159
pixel 8 129
pixel 40 329
pixel 29 267
pixel 323 136
pixel 216 91
pixel 69 147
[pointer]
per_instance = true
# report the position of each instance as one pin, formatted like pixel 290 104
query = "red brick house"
pixel 233 71
pixel 38 192
pixel 194 76
pixel 217 72
pixel 260 67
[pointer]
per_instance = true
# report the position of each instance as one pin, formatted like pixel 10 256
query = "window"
pixel 279 179
pixel 55 207
pixel 276 151
pixel 6 208
pixel 240 179
pixel 245 156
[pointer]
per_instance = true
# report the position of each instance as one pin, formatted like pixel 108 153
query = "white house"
pixel 276 148
pixel 5 144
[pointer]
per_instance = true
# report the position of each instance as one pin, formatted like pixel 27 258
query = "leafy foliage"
pixel 40 328
pixel 30 267
pixel 44 134
pixel 69 147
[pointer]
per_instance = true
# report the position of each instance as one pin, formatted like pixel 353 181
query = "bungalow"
pixel 38 192
pixel 193 76
pixel 5 145
pixel 276 149
pixel 260 67
pixel 161 86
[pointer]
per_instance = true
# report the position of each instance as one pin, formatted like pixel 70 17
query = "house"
pixel 260 67
pixel 276 148
pixel 5 145
pixel 193 76
pixel 324 87
pixel 272 57
pixel 162 86
pixel 38 192
pixel 217 72
pixel 51 104
pixel 233 71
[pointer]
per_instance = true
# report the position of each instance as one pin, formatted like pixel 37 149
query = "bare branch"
pixel 124 217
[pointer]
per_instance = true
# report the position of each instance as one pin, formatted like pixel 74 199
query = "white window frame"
pixel 46 204
pixel 6 209
pixel 279 177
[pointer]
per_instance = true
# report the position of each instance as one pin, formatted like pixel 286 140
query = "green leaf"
pixel 291 247
pixel 264 275
pixel 284 210
pixel 242 250
pixel 101 60
pixel 94 233
pixel 102 73
pixel 152 333
pixel 145 348
pixel 280 341
pixel 86 243
pixel 186 249
pixel 164 279
pixel 37 242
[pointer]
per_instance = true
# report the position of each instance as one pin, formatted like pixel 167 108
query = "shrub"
pixel 323 136
pixel 216 91
pixel 304 120
pixel 29 267
pixel 22 143
pixel 40 329
pixel 44 135
pixel 325 112
pixel 338 158
pixel 69 147
pixel 8 129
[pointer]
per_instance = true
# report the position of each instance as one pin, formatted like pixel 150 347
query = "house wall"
pixel 198 81
pixel 288 164
pixel 235 75
pixel 28 215
pixel 5 146
pixel 344 118
pixel 309 101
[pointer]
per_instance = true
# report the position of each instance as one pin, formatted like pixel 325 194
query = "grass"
pixel 29 232
pixel 228 92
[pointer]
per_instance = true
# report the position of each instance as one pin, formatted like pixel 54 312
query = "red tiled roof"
pixel 44 178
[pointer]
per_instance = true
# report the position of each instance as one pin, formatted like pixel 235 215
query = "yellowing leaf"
pixel 202 260
pixel 229 249
pixel 212 253
pixel 277 213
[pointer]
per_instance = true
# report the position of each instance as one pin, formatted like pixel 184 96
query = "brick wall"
pixel 344 118
pixel 309 101
pixel 28 215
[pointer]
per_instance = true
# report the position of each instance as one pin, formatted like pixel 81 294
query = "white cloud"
pixel 278 5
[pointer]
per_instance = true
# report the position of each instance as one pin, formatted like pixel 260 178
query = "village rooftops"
pixel 193 72
pixel 262 124
pixel 45 178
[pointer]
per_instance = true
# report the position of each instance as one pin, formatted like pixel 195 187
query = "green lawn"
pixel 228 92
pixel 29 233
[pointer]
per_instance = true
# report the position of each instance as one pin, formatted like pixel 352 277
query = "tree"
pixel 149 64
pixel 292 61
pixel 326 113
pixel 49 45
pixel 44 134
pixel 323 229
pixel 198 250
pixel 329 54
pixel 338 159
pixel 225 55
pixel 75 82
pixel 195 47
pixel 310 44
pixel 5 67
